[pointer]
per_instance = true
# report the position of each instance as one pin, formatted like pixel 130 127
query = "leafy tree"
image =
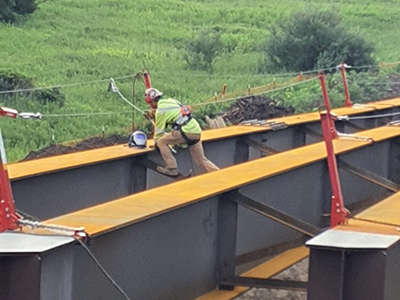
pixel 9 9
pixel 15 81
pixel 315 39
pixel 201 51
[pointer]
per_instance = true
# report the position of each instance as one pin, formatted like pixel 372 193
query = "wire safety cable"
pixel 103 270
pixel 27 216
pixel 246 76
pixel 194 105
pixel 144 112
pixel 130 103
pixel 373 83
pixel 113 87
pixel 191 75
pixel 96 261
pixel 136 77
pixel 346 118
pixel 375 66
pixel 61 85
pixel 376 222
pixel 86 114
pixel 198 104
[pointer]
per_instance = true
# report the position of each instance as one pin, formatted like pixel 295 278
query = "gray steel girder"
pixel 57 193
pixel 179 254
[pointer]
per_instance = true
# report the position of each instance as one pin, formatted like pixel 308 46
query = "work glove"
pixel 150 114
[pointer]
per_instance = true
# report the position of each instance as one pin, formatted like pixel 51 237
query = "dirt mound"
pixel 255 107
pixel 91 143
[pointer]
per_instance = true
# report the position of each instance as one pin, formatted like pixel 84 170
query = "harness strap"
pixel 185 137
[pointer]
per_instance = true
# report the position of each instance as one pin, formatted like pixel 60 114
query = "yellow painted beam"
pixel 382 218
pixel 367 227
pixel 140 206
pixel 88 157
pixel 70 161
pixel 387 211
pixel 265 270
pixel 392 102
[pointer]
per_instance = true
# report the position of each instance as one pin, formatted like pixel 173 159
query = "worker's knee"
pixel 162 142
pixel 197 160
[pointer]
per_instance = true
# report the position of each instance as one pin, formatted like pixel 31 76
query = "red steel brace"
pixel 8 215
pixel 333 132
pixel 9 219
pixel 339 213
pixel 147 81
pixel 8 112
pixel 223 89
pixel 347 102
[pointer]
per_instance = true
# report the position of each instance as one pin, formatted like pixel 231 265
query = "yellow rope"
pixel 389 65
pixel 258 89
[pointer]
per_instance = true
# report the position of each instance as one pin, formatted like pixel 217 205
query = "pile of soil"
pixel 91 143
pixel 255 107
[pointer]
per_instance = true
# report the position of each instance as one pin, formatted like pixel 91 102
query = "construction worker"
pixel 185 130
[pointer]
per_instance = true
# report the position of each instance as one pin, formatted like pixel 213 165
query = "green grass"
pixel 72 41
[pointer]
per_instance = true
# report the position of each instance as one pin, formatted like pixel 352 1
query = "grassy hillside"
pixel 72 41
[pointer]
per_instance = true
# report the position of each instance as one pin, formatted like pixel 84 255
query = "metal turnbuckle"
pixel 77 232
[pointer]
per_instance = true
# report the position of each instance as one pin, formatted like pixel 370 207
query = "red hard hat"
pixel 151 94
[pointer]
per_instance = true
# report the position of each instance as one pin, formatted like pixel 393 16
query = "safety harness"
pixel 183 119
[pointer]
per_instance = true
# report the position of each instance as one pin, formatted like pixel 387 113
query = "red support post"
pixel 327 105
pixel 223 89
pixel 8 215
pixel 347 102
pixel 339 213
pixel 147 81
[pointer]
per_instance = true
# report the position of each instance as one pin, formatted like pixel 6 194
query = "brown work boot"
pixel 168 171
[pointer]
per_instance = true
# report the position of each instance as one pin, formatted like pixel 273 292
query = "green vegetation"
pixel 203 50
pixel 10 10
pixel 313 40
pixel 70 41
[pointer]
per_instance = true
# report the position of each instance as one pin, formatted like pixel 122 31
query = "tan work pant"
pixel 196 151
